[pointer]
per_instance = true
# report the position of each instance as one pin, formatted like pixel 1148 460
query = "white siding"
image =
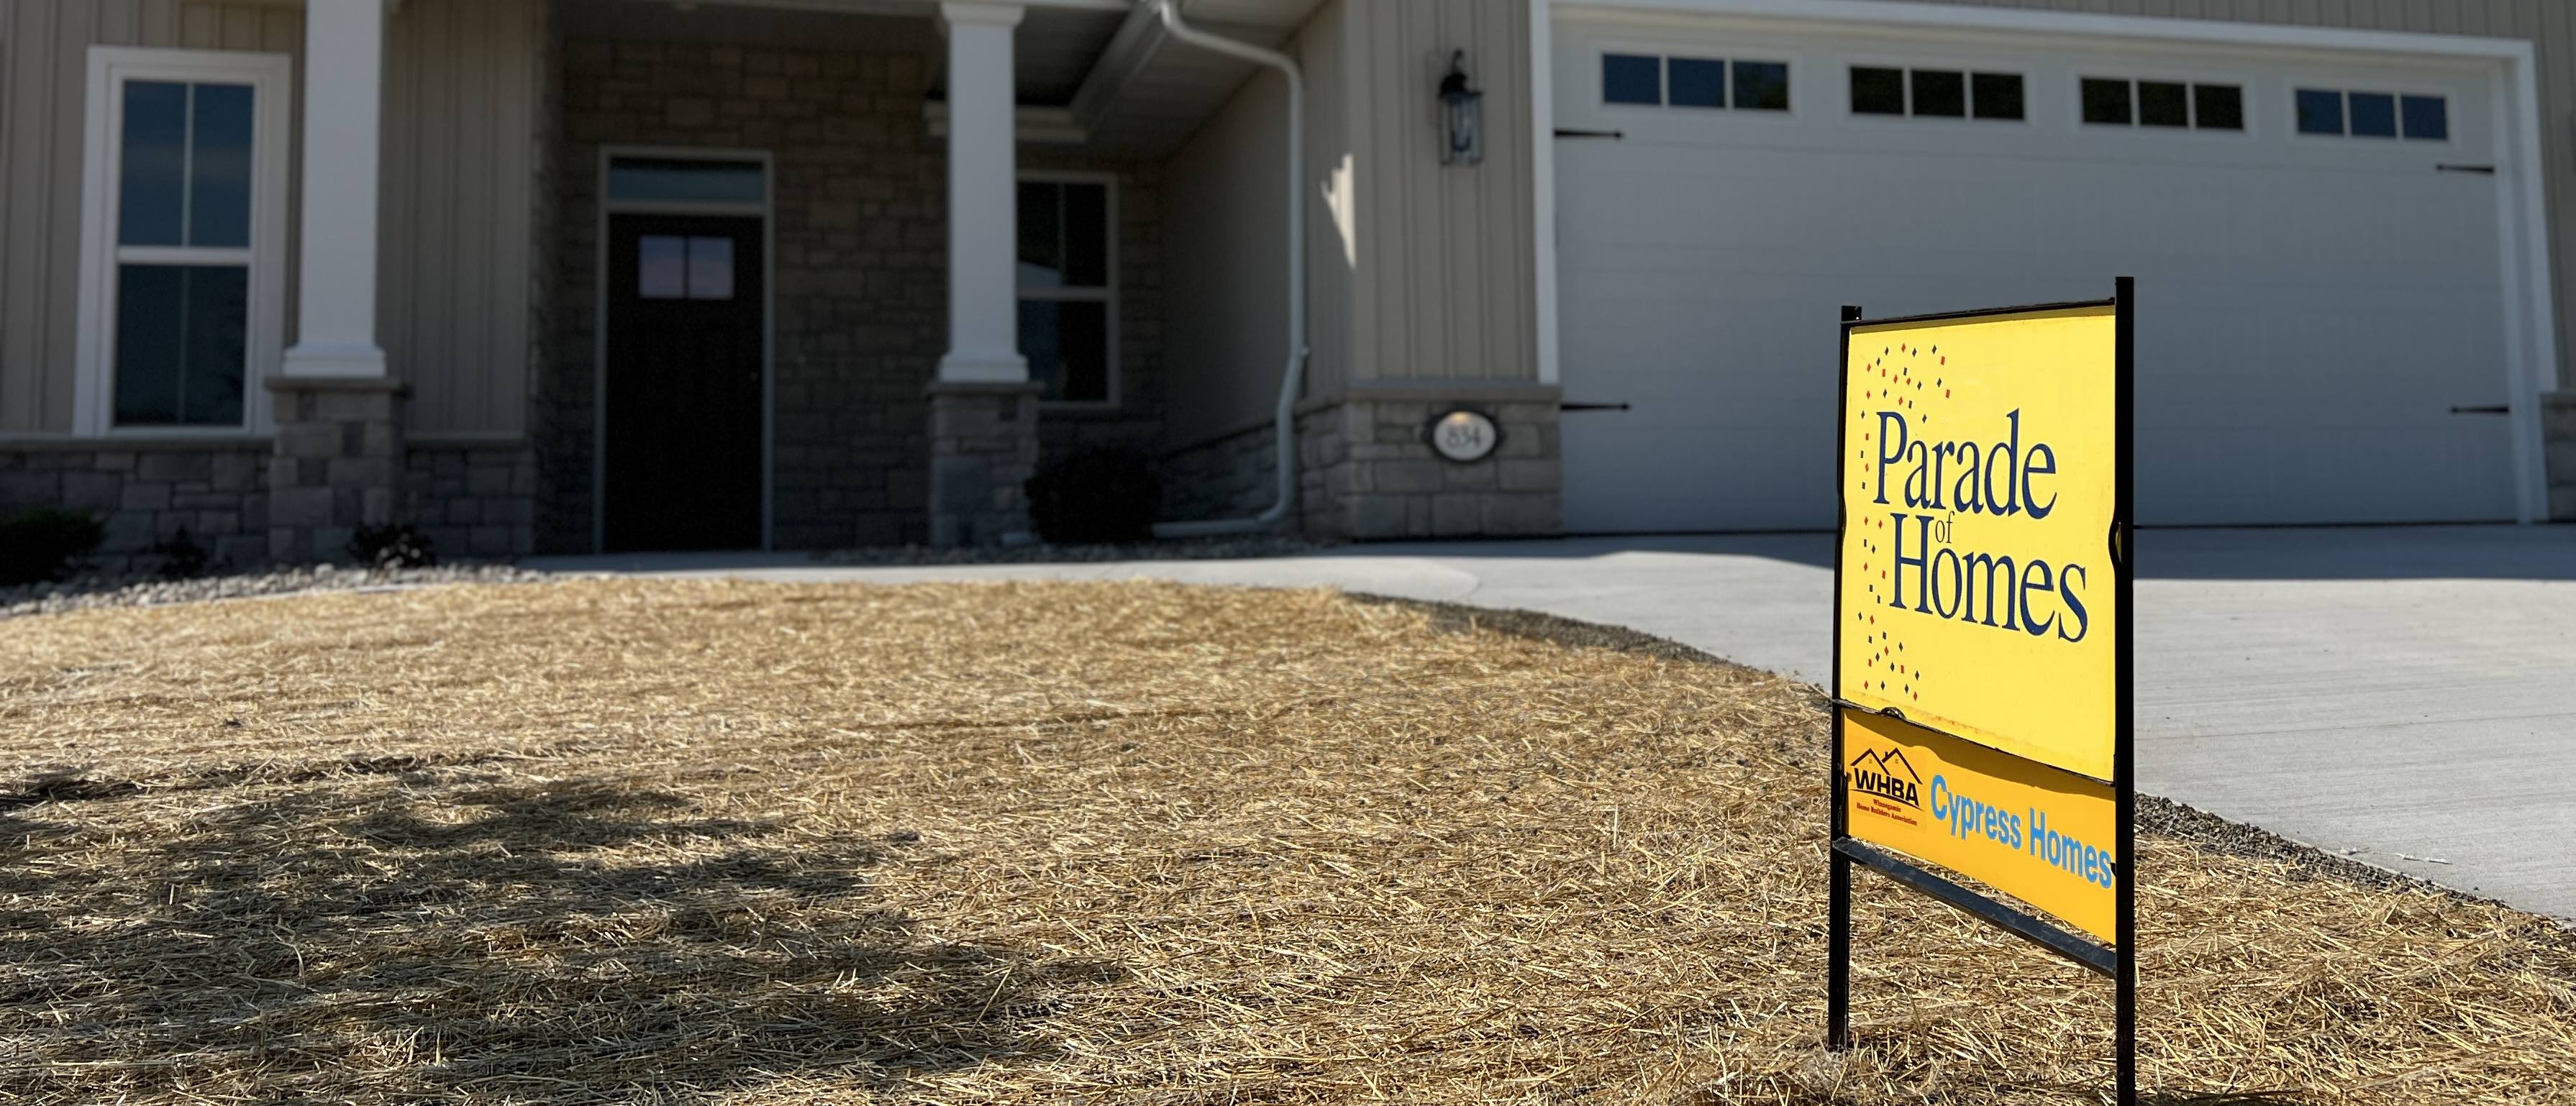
pixel 1444 288
pixel 459 188
pixel 463 82
pixel 44 67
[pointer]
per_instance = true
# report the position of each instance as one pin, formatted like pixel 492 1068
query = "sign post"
pixel 1983 684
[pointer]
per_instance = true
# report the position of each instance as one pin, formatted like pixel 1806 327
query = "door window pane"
pixel 1041 236
pixel 2107 101
pixel 1066 343
pixel 1998 95
pixel 2163 104
pixel 1940 92
pixel 181 344
pixel 687 180
pixel 662 267
pixel 219 166
pixel 710 268
pixel 2374 115
pixel 152 196
pixel 1086 235
pixel 1632 79
pixel 2221 107
pixel 2320 111
pixel 2428 117
pixel 1877 91
pixel 1697 83
pixel 1762 86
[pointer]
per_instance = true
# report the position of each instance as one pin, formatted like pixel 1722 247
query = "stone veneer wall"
pixel 147 492
pixel 473 500
pixel 861 276
pixel 1367 471
pixel 2558 437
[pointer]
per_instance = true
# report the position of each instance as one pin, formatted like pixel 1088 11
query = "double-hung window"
pixel 1069 287
pixel 184 239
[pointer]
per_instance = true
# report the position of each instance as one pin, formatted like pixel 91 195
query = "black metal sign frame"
pixel 2120 959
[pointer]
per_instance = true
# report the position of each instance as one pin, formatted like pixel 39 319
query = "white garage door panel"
pixel 2311 309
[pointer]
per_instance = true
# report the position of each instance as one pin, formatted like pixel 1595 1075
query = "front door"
pixel 685 331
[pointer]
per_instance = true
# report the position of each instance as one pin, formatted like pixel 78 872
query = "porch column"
pixel 344 81
pixel 338 412
pixel 983 409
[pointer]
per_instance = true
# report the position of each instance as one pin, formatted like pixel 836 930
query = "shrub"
pixel 181 557
pixel 45 543
pixel 1098 496
pixel 392 546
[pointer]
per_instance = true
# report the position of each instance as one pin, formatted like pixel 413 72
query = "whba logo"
pixel 1887 774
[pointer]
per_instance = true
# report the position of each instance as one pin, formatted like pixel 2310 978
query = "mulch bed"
pixel 681 841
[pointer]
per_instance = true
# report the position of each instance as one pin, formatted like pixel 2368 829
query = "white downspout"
pixel 1286 431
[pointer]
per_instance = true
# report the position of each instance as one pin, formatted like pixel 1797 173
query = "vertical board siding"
pixel 1321 50
pixel 44 77
pixel 2547 24
pixel 461 117
pixel 458 201
pixel 1445 288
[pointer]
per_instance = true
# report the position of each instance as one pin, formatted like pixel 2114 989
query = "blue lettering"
pixel 1920 561
pixel 1891 447
pixel 2069 581
pixel 2037 467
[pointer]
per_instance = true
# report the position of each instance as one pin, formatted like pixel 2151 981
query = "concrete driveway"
pixel 2404 696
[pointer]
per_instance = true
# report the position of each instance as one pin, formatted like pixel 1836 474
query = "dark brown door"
pixel 686 325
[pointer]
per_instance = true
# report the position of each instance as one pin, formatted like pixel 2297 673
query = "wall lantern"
pixel 1462 113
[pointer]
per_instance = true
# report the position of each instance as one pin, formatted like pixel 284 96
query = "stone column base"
pixel 338 463
pixel 983 449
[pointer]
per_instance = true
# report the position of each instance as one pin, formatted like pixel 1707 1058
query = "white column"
pixel 983 198
pixel 344 79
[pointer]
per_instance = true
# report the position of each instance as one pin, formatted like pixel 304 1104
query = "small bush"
pixel 393 546
pixel 45 544
pixel 181 557
pixel 1099 496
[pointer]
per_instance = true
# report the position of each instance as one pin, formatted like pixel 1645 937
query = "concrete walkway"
pixel 2405 696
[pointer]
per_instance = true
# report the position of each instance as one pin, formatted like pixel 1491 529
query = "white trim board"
pixel 272 80
pixel 2530 322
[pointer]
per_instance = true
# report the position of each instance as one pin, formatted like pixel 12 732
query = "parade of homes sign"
pixel 1982 637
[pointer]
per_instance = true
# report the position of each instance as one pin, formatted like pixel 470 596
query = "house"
pixel 574 275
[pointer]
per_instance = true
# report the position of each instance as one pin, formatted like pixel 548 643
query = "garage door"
pixel 2322 315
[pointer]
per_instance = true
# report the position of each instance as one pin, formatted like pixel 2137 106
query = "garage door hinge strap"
pixel 1568 132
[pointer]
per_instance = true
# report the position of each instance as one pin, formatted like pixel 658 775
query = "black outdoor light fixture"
pixel 1462 111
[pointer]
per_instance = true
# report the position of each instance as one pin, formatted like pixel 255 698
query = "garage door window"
pixel 1684 82
pixel 2175 105
pixel 2373 115
pixel 1935 93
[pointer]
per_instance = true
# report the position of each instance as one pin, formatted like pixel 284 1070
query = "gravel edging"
pixel 1245 547
pixel 98 591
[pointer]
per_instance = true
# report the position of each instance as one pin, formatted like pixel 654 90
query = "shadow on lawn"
pixel 559 942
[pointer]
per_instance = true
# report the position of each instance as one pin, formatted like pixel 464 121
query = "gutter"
pixel 1294 375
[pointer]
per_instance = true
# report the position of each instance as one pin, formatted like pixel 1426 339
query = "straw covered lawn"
pixel 692 842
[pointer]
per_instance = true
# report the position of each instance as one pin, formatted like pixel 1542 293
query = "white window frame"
pixel 1106 294
pixel 271 77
